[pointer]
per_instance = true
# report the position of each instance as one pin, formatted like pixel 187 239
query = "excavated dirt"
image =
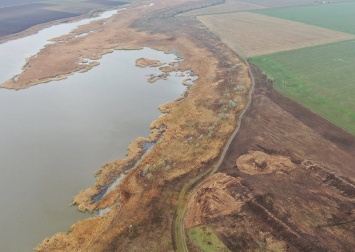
pixel 260 162
pixel 212 200
pixel 306 208
pixel 298 170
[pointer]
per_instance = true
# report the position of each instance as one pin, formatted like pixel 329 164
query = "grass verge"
pixel 204 238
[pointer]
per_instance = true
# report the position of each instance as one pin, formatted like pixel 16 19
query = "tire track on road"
pixel 191 187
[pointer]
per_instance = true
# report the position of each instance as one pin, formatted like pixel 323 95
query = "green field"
pixel 336 16
pixel 321 78
pixel 204 238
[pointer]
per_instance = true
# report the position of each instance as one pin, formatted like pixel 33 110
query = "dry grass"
pixel 195 128
pixel 143 62
pixel 253 34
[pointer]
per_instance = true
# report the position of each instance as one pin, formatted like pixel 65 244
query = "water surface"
pixel 54 136
pixel 14 53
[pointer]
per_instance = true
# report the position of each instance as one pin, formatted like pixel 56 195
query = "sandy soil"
pixel 242 32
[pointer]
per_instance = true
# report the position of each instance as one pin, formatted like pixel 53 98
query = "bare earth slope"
pixel 280 204
pixel 293 179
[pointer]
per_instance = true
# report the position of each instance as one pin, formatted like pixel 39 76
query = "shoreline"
pixel 148 192
pixel 18 82
pixel 193 185
pixel 84 200
pixel 106 144
pixel 183 148
pixel 38 27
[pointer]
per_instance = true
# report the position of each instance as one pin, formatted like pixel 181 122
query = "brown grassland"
pixel 252 34
pixel 192 131
pixel 287 179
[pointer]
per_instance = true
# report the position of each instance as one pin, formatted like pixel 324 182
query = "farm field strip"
pixel 245 29
pixel 335 16
pixel 320 78
pixel 310 56
pixel 237 6
pixel 285 3
pixel 228 7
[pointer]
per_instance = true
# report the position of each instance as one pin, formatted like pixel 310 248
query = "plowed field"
pixel 227 7
pixel 253 34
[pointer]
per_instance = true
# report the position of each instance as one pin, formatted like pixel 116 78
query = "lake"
pixel 55 135
pixel 15 52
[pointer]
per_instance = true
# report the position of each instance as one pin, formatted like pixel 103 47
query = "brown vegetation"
pixel 193 130
pixel 243 31
pixel 298 191
pixel 62 59
pixel 143 62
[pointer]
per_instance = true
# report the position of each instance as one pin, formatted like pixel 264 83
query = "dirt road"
pixel 191 187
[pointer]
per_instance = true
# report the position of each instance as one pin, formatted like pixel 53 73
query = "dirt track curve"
pixel 193 185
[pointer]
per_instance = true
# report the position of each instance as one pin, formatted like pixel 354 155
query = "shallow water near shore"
pixel 54 136
pixel 15 52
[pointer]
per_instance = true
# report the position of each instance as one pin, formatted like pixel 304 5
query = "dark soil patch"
pixel 307 209
pixel 16 19
pixel 275 123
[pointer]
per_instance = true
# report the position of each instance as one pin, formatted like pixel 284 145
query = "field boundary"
pixel 302 90
pixel 242 31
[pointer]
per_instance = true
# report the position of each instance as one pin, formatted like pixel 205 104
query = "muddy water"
pixel 54 136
